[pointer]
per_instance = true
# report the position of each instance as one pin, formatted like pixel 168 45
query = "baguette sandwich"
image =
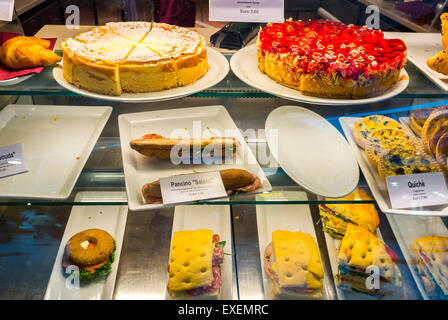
pixel 234 180
pixel 359 250
pixel 292 263
pixel 156 146
pixel 431 260
pixel 195 265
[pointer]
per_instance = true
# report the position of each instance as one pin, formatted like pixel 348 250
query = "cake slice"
pixel 133 31
pixel 144 71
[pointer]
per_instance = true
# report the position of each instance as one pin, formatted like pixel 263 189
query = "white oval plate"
pixel 244 65
pixel 219 67
pixel 311 151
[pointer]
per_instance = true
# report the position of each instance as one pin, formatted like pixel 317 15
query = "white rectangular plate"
pixel 421 47
pixel 216 218
pixel 57 142
pixel 109 218
pixel 376 184
pixel 289 218
pixel 407 229
pixel 140 170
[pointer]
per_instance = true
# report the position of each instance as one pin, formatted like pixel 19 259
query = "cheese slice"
pixel 191 260
pixel 297 260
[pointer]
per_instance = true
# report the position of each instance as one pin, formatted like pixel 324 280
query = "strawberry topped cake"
pixel 329 59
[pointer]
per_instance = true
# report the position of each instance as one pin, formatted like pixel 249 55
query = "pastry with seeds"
pixel 293 266
pixel 359 250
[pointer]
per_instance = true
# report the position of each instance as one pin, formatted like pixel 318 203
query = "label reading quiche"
pixel 417 190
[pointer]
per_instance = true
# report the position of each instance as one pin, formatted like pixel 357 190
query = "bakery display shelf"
pixel 43 84
pixel 107 187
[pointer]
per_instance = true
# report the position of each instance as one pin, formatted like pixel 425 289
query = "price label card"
pixel 6 10
pixel 192 187
pixel 12 160
pixel 417 190
pixel 246 10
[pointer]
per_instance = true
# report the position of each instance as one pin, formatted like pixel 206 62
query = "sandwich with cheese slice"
pixel 336 217
pixel 293 266
pixel 431 259
pixel 195 265
pixel 362 259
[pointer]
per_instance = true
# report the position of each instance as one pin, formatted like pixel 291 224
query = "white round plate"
pixel 219 67
pixel 311 151
pixel 244 65
pixel 15 80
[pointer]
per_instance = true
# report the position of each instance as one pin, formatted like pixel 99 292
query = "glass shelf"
pixel 231 87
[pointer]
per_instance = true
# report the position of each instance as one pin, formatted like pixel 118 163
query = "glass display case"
pixel 34 230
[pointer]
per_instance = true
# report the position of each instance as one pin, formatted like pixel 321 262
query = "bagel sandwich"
pixel 195 265
pixel 234 180
pixel 359 251
pixel 292 263
pixel 156 146
pixel 336 217
pixel 92 251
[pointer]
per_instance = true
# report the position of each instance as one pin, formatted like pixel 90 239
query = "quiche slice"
pixel 364 126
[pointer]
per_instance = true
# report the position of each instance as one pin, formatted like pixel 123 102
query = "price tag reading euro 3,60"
pixel 12 160
pixel 192 187
pixel 417 190
pixel 246 10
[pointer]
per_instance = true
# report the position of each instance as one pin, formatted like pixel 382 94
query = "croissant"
pixel 27 52
pixel 444 19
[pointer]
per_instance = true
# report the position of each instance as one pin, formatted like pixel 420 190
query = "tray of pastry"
pixel 86 264
pixel 297 271
pixel 149 138
pixel 378 141
pixel 424 243
pixel 355 248
pixel 430 125
pixel 201 261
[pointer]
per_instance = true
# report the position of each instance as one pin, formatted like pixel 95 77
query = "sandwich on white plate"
pixel 293 266
pixel 366 265
pixel 195 265
pixel 431 259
